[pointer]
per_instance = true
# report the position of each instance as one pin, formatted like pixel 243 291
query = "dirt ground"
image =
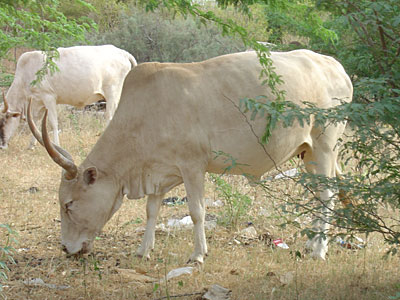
pixel 251 267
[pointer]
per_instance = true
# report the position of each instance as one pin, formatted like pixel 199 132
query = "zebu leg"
pixel 319 244
pixel 112 95
pixel 152 209
pixel 321 161
pixel 194 185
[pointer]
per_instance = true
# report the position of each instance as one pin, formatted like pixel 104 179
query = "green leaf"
pixel 155 287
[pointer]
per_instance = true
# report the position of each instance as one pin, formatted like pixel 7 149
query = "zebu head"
pixel 8 124
pixel 88 197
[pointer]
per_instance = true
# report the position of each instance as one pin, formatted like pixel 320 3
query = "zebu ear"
pixel 90 175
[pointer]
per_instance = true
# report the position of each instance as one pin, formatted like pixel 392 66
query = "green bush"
pixel 236 203
pixel 6 252
pixel 368 46
pixel 159 36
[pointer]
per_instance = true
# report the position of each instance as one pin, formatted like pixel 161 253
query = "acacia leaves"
pixel 38 25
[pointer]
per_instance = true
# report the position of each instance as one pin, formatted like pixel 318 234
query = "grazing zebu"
pixel 170 121
pixel 86 74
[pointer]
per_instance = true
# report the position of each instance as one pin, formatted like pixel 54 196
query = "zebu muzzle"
pixel 84 247
pixel 8 125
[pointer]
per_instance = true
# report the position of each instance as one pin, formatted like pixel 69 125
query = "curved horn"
pixel 38 136
pixel 67 164
pixel 5 103
pixel 32 125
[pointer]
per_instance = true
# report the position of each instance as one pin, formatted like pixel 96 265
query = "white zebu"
pixel 171 120
pixel 86 74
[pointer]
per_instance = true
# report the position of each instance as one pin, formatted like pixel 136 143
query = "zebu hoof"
pixel 143 254
pixel 143 257
pixel 197 259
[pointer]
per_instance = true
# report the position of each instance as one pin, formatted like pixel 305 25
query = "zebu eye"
pixel 68 206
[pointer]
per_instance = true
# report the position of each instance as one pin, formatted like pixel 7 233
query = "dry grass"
pixel 252 270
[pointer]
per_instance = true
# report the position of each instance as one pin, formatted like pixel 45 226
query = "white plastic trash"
pixel 279 243
pixel 186 221
pixel 288 173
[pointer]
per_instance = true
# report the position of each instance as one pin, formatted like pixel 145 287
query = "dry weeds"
pixel 252 270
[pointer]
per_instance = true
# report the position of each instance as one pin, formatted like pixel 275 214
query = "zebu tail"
pixel 132 60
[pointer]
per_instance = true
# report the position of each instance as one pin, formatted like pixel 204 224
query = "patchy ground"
pixel 243 259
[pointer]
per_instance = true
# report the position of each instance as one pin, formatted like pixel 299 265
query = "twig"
pixel 254 133
pixel 30 228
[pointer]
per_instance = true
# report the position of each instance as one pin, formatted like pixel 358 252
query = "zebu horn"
pixel 38 136
pixel 59 155
pixel 32 125
pixel 5 103
pixel 67 164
